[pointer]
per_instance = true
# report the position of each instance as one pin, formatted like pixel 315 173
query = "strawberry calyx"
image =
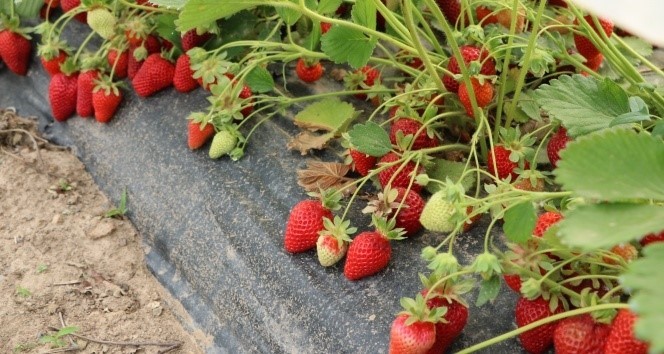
pixel 486 265
pixel 417 311
pixel 68 67
pixel 105 83
pixel 339 229
pixel 387 228
pixel 384 203
pixel 330 198
pixel 441 264
pixel 200 118
pixel 51 48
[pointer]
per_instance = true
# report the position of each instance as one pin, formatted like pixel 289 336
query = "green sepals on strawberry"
pixel 106 98
pixel 539 339
pixel 413 330
pixel 363 78
pixel 333 241
pixel 136 30
pixel 441 264
pixel 370 251
pixel 199 130
pixel 511 154
pixel 52 53
pixel 305 220
pixel 209 69
pixel 308 70
pixel 404 205
pixel 223 142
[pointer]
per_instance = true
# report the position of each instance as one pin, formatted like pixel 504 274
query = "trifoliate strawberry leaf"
pixel 370 138
pixel 590 227
pixel 364 13
pixel 613 165
pixel 639 112
pixel 346 45
pixel 199 13
pixel 519 222
pixel 330 114
pixel 328 6
pixel 489 290
pixel 647 285
pixel 170 4
pixel 260 80
pixel 442 169
pixel 583 104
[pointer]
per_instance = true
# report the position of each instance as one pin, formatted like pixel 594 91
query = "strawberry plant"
pixel 534 116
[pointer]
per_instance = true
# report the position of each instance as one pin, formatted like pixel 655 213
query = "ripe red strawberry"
pixel 400 179
pixel 370 75
pixel 304 224
pixel 52 64
pixel 133 64
pixel 308 72
pixel 152 44
pixel 122 59
pixel 544 222
pixel 557 142
pixel 580 334
pixel 485 16
pixel 106 101
pixel 198 134
pixel 68 5
pixel 513 281
pixel 368 254
pixel 652 238
pixel 62 95
pixel 626 251
pixel 191 39
pixel 595 62
pixel 537 340
pixel 183 79
pixel 324 27
pixel 412 127
pixel 483 95
pixel 414 338
pixel 85 85
pixel 446 332
pixel 246 93
pixel 52 3
pixel 362 78
pixel 451 9
pixel 505 167
pixel 15 51
pixel 408 217
pixel 154 75
pixel 362 163
pixel 583 45
pixel 621 339
pixel 469 54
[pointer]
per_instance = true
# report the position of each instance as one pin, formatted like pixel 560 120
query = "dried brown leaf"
pixel 306 141
pixel 323 175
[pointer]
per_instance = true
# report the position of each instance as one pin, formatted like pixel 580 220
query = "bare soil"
pixel 63 264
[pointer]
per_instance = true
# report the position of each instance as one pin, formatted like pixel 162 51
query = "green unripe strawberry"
pixel 438 213
pixel 223 143
pixel 102 21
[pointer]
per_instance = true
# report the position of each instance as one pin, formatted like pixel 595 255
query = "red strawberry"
pixel 133 64
pixel 651 238
pixel 52 65
pixel 122 62
pixel 197 135
pixel 370 75
pixel 595 62
pixel 62 95
pixel 106 102
pixel 621 339
pixel 85 84
pixel 246 93
pixel 304 224
pixel 485 16
pixel 152 44
pixel 324 27
pixel 483 95
pixel 192 39
pixel 451 9
pixel 583 45
pixel 368 254
pixel 408 217
pixel 154 75
pixel 513 281
pixel 52 3
pixel 559 3
pixel 580 334
pixel 308 73
pixel 365 76
pixel 413 128
pixel 623 252
pixel 362 163
pixel 68 5
pixel 469 54
pixel 456 317
pixel 183 79
pixel 15 51
pixel 413 338
pixel 545 221
pixel 557 142
pixel 537 340
pixel 400 179
pixel 505 167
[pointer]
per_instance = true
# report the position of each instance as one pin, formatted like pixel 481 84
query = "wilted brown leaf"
pixel 306 141
pixel 323 175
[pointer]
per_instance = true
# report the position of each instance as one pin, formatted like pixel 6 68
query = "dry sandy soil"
pixel 63 264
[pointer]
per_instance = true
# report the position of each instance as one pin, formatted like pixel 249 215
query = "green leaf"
pixel 67 330
pixel 326 7
pixel 330 114
pixel 290 16
pixel 529 106
pixel 442 169
pixel 646 281
pixel 519 222
pixel 658 130
pixel 198 13
pixel 260 80
pixel 489 290
pixel 370 138
pixel 364 13
pixel 166 29
pixel 170 4
pixel 26 9
pixel 583 104
pixel 639 112
pixel 613 165
pixel 640 46
pixel 345 45
pixel 590 227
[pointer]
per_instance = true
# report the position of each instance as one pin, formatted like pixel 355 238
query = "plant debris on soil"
pixel 72 279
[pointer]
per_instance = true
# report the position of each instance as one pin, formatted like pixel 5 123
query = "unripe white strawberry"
pixel 438 213
pixel 223 143
pixel 102 21
pixel 333 241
